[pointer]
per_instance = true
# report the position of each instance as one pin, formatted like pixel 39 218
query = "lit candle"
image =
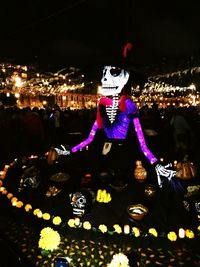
pixel 181 233
pixel 126 229
pixel 2 189
pixel 175 163
pixel 6 167
pixel 77 221
pixel 39 214
pixel 14 203
pixel 2 174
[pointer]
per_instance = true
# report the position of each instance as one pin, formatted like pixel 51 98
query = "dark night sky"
pixel 87 32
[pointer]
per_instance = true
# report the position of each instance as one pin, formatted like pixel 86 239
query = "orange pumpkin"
pixel 185 170
pixel 52 156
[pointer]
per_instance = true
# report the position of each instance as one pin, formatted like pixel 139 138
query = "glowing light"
pixel 77 221
pixel 181 233
pixel 192 87
pixel 18 81
pixel 99 89
pixel 17 95
pixel 126 229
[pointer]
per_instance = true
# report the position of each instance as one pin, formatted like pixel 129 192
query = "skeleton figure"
pixel 115 113
pixel 113 80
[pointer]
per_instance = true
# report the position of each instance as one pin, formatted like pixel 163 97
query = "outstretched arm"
pixel 78 147
pixel 88 140
pixel 138 129
pixel 160 170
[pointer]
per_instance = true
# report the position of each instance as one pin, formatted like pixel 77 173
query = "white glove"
pixel 163 171
pixel 62 151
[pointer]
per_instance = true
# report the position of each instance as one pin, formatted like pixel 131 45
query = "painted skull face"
pixel 113 80
pixel 78 202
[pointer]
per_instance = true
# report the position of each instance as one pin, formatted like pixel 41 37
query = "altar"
pixel 40 195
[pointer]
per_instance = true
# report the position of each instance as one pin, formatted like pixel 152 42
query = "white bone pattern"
pixel 112 110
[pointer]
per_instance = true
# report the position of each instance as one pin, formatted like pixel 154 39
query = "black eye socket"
pixel 115 72
pixel 81 200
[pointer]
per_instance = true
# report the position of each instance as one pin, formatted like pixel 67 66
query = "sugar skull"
pixel 113 80
pixel 81 201
pixel 78 203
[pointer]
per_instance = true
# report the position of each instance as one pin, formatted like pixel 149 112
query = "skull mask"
pixel 113 80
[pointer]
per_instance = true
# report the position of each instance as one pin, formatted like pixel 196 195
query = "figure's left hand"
pixel 163 171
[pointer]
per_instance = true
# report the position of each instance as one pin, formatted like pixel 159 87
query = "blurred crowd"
pixel 171 132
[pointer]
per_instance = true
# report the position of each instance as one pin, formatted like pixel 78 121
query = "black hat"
pixel 123 58
pixel 120 56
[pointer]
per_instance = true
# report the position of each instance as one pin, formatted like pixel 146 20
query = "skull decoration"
pixel 113 80
pixel 186 205
pixel 78 203
pixel 29 179
pixel 81 201
pixel 197 206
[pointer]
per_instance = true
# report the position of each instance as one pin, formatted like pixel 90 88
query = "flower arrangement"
pixel 189 233
pixel 87 225
pixel 117 228
pixel 153 232
pixel 57 220
pixel 103 196
pixel 28 207
pixel 103 228
pixel 46 216
pixel 172 236
pixel 136 231
pixel 119 260
pixel 71 223
pixel 49 239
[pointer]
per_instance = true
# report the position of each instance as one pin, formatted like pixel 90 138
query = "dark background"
pixel 165 34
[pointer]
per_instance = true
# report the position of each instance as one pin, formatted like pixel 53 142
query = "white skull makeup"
pixel 113 80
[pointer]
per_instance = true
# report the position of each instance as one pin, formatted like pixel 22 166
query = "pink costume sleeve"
pixel 142 142
pixel 88 140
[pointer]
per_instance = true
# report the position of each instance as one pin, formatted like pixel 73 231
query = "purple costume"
pixel 119 128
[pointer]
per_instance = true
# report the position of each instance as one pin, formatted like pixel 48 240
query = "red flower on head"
pixel 128 46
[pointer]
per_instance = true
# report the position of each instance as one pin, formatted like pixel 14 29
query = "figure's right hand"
pixel 62 151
